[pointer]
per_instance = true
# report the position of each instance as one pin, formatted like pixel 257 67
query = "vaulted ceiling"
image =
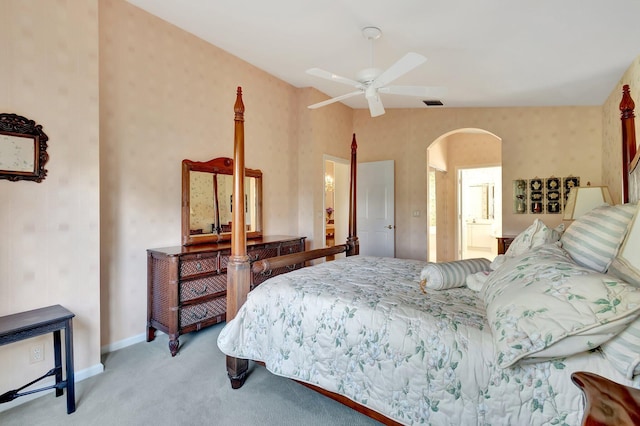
pixel 488 53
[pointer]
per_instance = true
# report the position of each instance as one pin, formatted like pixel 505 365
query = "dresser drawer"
pixel 263 253
pixel 187 285
pixel 192 289
pixel 198 265
pixel 290 247
pixel 224 260
pixel 202 312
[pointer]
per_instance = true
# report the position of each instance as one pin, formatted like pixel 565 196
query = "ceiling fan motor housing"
pixel 367 75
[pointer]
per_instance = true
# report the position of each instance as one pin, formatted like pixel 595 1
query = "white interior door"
pixel 375 204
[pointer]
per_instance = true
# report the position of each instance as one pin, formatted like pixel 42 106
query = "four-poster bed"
pixel 361 330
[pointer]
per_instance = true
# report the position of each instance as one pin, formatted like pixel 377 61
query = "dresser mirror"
pixel 207 198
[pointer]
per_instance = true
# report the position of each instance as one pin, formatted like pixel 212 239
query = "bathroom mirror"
pixel 207 198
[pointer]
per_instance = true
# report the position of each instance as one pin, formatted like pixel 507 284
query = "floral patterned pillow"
pixel 535 235
pixel 543 305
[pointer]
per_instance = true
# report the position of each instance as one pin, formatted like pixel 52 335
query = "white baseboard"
pixel 50 381
pixel 126 342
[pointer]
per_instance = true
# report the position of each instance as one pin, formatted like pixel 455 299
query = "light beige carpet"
pixel 143 385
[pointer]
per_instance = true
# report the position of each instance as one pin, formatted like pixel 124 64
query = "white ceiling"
pixel 488 53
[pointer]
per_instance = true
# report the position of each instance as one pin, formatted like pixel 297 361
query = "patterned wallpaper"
pixel 51 230
pixel 535 142
pixel 166 95
pixel 128 96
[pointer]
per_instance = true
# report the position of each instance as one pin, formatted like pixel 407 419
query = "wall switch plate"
pixel 36 353
pixel 416 213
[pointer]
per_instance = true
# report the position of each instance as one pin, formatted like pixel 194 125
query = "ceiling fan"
pixel 373 81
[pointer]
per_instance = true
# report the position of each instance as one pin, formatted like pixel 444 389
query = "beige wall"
pixel 124 97
pixel 553 141
pixel 165 96
pixel 51 230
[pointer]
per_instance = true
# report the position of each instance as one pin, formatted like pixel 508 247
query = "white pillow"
pixel 542 305
pixel 476 281
pixel 535 235
pixel 445 275
pixel 593 239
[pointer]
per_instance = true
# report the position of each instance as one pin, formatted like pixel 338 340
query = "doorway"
pixel 464 148
pixel 336 201
pixel 480 207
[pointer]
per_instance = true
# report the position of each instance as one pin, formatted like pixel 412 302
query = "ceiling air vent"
pixel 432 102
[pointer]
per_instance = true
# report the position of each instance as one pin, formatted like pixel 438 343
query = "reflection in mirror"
pixel 481 201
pixel 207 189
pixel 210 203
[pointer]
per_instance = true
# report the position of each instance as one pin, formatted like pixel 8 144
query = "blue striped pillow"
pixel 624 351
pixel 593 239
pixel 445 275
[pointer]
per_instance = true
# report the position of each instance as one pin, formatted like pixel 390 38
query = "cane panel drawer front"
pixel 203 287
pixel 272 250
pixel 187 286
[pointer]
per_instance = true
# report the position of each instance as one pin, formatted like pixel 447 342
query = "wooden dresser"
pixel 187 285
pixel 504 242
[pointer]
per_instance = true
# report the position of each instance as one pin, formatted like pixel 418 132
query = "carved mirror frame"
pixel 220 166
pixel 23 149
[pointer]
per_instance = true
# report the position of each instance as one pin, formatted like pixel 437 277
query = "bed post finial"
pixel 628 140
pixel 238 266
pixel 238 108
pixel 352 239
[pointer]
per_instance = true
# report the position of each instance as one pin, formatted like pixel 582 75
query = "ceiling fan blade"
pixel 375 105
pixel 402 66
pixel 417 91
pixel 336 99
pixel 317 72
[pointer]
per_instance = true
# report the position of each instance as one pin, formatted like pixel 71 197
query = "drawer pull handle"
pixel 291 267
pixel 253 258
pixel 203 315
pixel 198 266
pixel 267 273
pixel 203 291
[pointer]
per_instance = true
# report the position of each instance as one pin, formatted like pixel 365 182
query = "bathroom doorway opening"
pixel 479 211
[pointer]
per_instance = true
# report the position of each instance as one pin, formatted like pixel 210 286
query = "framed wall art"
pixel 23 149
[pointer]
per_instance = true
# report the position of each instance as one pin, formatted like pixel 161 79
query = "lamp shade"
pixel 583 199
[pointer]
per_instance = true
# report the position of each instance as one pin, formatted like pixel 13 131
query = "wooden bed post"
pixel 238 267
pixel 352 239
pixel 628 140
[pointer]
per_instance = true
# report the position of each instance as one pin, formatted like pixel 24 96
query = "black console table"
pixel 33 323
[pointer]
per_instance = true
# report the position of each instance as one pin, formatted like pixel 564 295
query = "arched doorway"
pixel 465 148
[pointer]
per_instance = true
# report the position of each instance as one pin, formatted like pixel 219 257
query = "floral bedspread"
pixel 361 327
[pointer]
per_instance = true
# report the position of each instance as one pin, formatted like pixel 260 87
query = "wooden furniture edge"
pixel 629 155
pixel 267 265
pixel 238 267
pixel 607 402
